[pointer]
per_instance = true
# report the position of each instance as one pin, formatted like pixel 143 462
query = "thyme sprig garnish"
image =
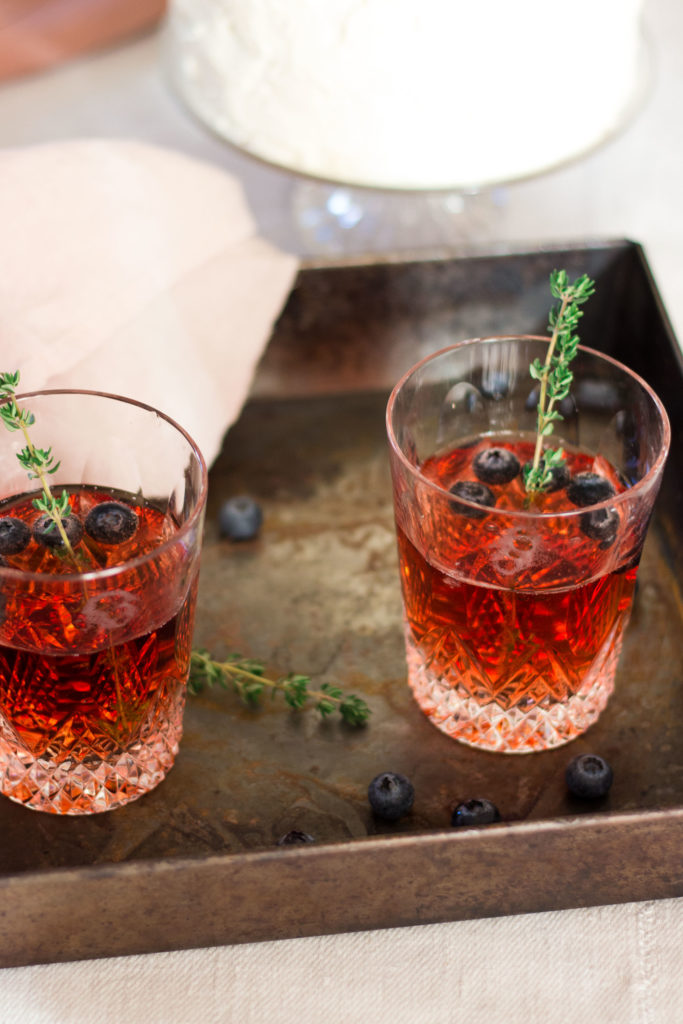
pixel 555 376
pixel 39 463
pixel 246 676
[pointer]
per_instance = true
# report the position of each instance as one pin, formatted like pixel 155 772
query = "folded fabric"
pixel 135 270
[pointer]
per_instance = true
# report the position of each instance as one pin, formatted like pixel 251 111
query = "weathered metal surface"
pixel 195 862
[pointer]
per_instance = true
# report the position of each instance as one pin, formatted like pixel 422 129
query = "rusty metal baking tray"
pixel 196 863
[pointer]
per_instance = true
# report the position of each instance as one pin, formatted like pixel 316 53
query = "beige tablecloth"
pixel 607 965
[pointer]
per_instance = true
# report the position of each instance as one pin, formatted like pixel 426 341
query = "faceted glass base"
pixel 86 769
pixel 537 720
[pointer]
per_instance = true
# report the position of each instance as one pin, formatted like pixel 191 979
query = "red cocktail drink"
pixel 515 607
pixel 95 643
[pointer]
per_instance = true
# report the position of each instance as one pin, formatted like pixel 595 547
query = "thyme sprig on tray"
pixel 555 376
pixel 39 463
pixel 246 676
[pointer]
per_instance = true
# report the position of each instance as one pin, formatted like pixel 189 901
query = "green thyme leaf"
pixel 247 678
pixel 555 375
pixel 39 463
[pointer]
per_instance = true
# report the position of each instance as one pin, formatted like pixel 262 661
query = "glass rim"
pixel 529 514
pixel 131 563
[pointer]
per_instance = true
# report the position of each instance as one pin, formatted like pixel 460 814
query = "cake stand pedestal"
pixel 332 218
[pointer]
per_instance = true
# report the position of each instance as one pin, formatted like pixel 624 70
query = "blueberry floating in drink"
pixel 496 465
pixel 589 489
pixel 559 477
pixel 602 525
pixel 46 533
pixel 111 522
pixel 14 535
pixel 478 493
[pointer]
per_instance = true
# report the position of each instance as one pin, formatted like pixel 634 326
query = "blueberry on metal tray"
pixel 111 522
pixel 240 518
pixel 589 776
pixel 391 795
pixel 589 489
pixel 14 535
pixel 496 465
pixel 295 837
pixel 478 493
pixel 45 531
pixel 475 812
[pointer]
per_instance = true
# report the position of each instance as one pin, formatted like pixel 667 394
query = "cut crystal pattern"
pixel 458 698
pixel 94 772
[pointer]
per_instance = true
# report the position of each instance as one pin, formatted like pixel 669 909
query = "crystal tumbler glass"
pixel 515 605
pixel 95 637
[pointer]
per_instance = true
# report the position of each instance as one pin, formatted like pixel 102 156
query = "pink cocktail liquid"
pixel 505 651
pixel 93 669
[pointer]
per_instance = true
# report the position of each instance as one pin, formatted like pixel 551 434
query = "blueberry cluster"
pixel 492 466
pixel 391 795
pixel 110 522
pixel 496 465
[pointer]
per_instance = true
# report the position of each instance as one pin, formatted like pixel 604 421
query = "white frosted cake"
pixel 405 94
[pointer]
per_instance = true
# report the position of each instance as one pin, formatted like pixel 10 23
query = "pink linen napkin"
pixel 135 270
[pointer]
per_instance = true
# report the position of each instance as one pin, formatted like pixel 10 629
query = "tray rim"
pixel 143 907
pixel 581 821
